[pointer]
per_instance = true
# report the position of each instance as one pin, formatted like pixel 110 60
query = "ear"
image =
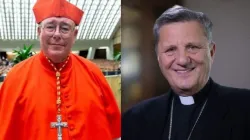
pixel 156 52
pixel 75 33
pixel 212 50
pixel 38 31
pixel 158 58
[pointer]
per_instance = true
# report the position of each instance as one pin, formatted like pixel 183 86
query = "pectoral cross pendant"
pixel 59 125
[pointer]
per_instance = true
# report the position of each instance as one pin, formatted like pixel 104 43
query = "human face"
pixel 185 56
pixel 57 36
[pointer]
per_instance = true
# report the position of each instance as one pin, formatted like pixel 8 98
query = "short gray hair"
pixel 182 14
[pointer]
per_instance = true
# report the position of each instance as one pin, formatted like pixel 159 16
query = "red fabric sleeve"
pixel 10 110
pixel 112 109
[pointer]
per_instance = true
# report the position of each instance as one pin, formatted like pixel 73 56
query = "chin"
pixel 57 56
pixel 185 84
pixel 57 52
pixel 185 87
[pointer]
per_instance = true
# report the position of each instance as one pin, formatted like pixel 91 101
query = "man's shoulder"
pixel 147 106
pixel 145 119
pixel 19 73
pixel 22 66
pixel 86 63
pixel 234 95
pixel 233 91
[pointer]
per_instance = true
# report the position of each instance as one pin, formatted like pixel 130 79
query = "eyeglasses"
pixel 64 29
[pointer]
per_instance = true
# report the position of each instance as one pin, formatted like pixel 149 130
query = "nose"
pixel 183 58
pixel 57 34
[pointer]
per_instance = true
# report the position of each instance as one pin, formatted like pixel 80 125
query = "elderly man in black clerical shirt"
pixel 195 108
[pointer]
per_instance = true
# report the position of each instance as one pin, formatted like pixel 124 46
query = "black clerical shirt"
pixel 185 116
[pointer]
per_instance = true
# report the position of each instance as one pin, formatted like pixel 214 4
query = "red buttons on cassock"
pixel 67 106
pixel 66 96
pixel 69 116
pixel 71 127
pixel 64 86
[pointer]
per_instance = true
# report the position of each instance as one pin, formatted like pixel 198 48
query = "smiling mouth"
pixel 184 71
pixel 57 45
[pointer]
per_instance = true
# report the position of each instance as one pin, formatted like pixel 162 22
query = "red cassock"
pixel 28 102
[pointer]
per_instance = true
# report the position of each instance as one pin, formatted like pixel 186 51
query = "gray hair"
pixel 181 14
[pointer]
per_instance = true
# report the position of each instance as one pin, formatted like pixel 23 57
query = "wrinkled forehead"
pixel 58 20
pixel 182 32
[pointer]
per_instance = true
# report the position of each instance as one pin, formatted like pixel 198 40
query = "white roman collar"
pixel 187 100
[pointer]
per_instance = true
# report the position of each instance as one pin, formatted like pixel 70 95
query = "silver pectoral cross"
pixel 59 125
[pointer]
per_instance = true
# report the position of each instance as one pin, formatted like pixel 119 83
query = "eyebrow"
pixel 167 45
pixel 64 23
pixel 61 23
pixel 194 44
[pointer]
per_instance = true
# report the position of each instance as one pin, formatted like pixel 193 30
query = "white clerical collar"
pixel 187 100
